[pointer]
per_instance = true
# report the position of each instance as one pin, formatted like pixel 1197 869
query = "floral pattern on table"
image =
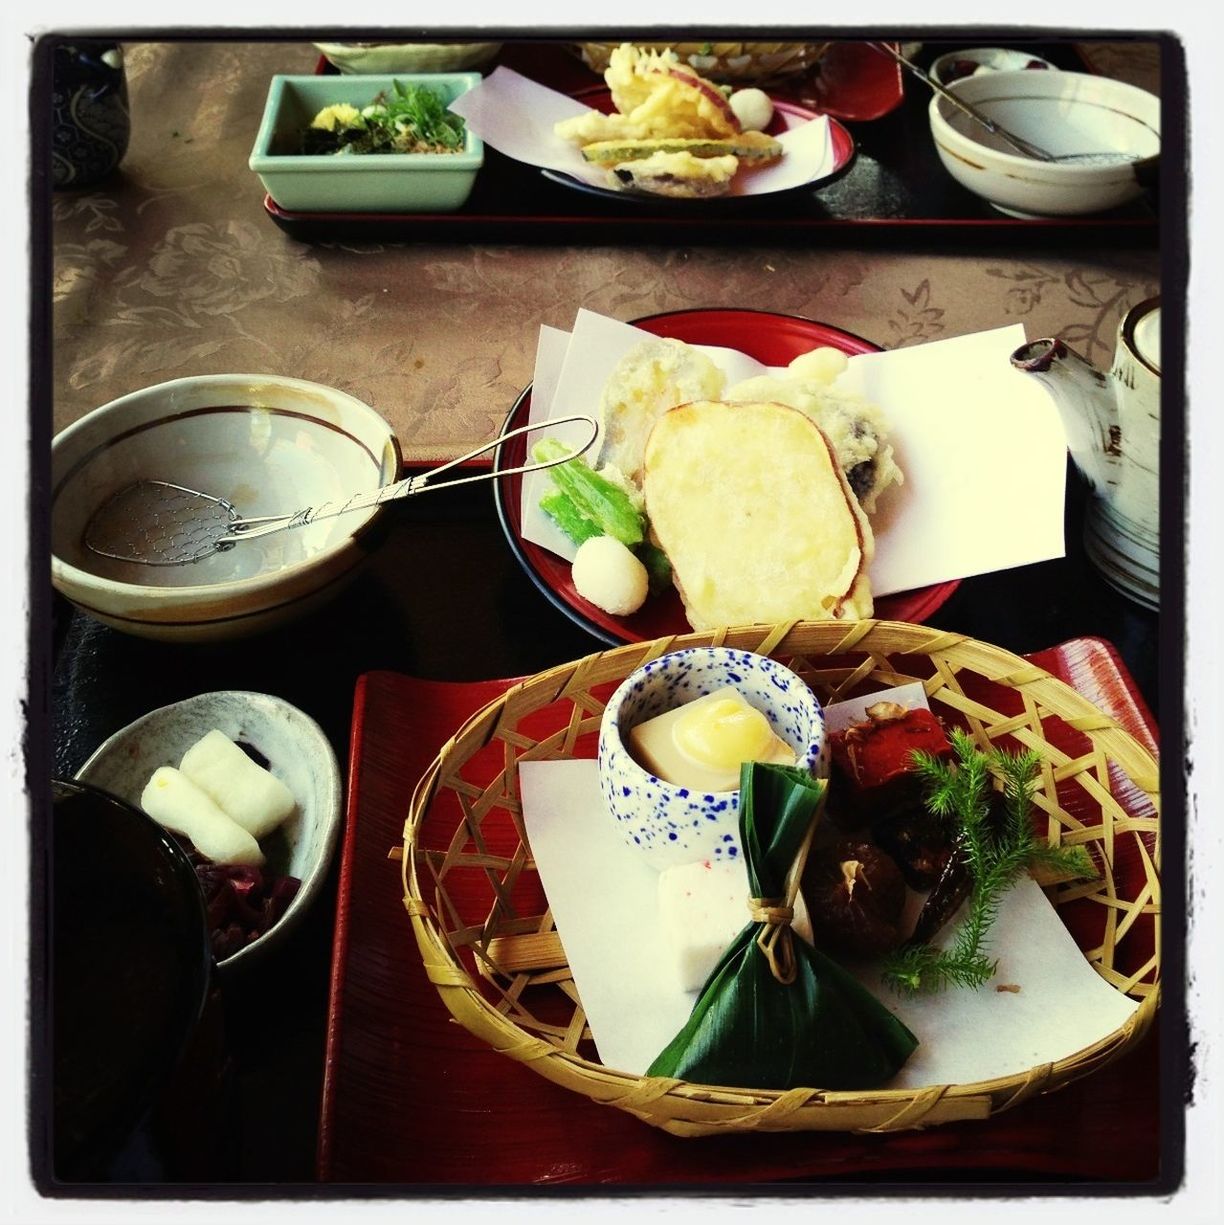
pixel 174 269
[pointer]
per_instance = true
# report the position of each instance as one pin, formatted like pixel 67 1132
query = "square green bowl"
pixel 360 183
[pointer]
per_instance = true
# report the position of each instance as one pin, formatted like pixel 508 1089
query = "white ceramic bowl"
pixel 379 58
pixel 955 65
pixel 1064 112
pixel 675 825
pixel 297 752
pixel 266 443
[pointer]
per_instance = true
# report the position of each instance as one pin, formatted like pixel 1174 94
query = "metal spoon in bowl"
pixel 1024 147
pixel 159 523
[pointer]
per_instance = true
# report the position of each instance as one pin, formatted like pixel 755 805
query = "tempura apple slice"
pixel 644 81
pixel 702 100
pixel 749 504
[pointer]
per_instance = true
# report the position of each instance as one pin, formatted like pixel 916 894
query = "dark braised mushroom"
pixel 855 895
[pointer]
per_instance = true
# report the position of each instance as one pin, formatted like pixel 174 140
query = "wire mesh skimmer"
pixel 159 523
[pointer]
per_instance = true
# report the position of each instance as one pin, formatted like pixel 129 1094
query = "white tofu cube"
pixel 703 906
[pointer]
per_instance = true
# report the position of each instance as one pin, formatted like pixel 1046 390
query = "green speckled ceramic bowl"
pixel 373 183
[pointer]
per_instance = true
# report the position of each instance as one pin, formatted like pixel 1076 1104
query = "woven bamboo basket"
pixel 490 947
pixel 728 63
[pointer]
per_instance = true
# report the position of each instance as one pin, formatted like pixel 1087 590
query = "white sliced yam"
pixel 177 804
pixel 753 511
pixel 246 792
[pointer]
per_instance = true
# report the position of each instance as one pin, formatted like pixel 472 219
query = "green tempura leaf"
pixel 658 567
pixel 560 508
pixel 594 496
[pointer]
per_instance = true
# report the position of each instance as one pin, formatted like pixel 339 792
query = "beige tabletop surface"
pixel 174 268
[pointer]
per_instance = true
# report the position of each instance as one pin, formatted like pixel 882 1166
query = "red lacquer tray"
pixel 894 183
pixel 411 1098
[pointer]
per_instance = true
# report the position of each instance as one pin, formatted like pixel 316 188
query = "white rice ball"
pixel 607 573
pixel 752 108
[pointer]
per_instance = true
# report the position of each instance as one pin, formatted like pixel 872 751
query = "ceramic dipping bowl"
pixel 279 737
pixel 675 825
pixel 359 183
pixel 267 444
pixel 1064 113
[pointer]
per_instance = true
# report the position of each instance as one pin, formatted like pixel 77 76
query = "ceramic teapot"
pixel 1113 433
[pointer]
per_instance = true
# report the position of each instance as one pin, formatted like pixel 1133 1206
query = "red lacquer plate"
pixel 770 338
pixel 787 115
pixel 853 81
pixel 411 1098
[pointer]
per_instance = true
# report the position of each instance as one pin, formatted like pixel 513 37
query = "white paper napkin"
pixel 603 897
pixel 981 446
pixel 517 117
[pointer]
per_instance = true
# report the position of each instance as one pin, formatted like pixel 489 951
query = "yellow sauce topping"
pixel 702 743
pixel 721 733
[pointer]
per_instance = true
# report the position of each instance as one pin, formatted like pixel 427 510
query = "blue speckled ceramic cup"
pixel 675 825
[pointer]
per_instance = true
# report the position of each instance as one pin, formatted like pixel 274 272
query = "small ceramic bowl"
pixel 956 65
pixel 266 443
pixel 674 825
pixel 408 57
pixel 382 182
pixel 293 748
pixel 1064 113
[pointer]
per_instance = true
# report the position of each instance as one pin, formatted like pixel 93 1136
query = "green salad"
pixel 409 119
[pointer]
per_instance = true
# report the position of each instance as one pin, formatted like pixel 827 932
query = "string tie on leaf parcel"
pixel 752 1023
pixel 775 939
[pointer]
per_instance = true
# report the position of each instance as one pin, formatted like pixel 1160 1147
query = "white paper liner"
pixel 516 116
pixel 981 446
pixel 604 899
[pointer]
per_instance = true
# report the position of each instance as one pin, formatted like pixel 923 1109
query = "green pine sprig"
pixel 995 852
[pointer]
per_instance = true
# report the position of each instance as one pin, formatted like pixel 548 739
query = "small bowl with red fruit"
pixel 957 65
pixel 250 788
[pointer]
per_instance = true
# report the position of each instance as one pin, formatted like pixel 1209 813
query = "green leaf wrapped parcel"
pixel 776 1013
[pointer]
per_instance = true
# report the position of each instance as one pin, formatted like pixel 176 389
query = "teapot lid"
pixel 1146 337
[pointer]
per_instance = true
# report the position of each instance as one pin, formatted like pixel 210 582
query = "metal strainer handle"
pixel 1024 147
pixel 422 482
pixel 160 523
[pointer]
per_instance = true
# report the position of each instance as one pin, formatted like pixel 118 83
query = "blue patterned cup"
pixel 672 824
pixel 90 122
